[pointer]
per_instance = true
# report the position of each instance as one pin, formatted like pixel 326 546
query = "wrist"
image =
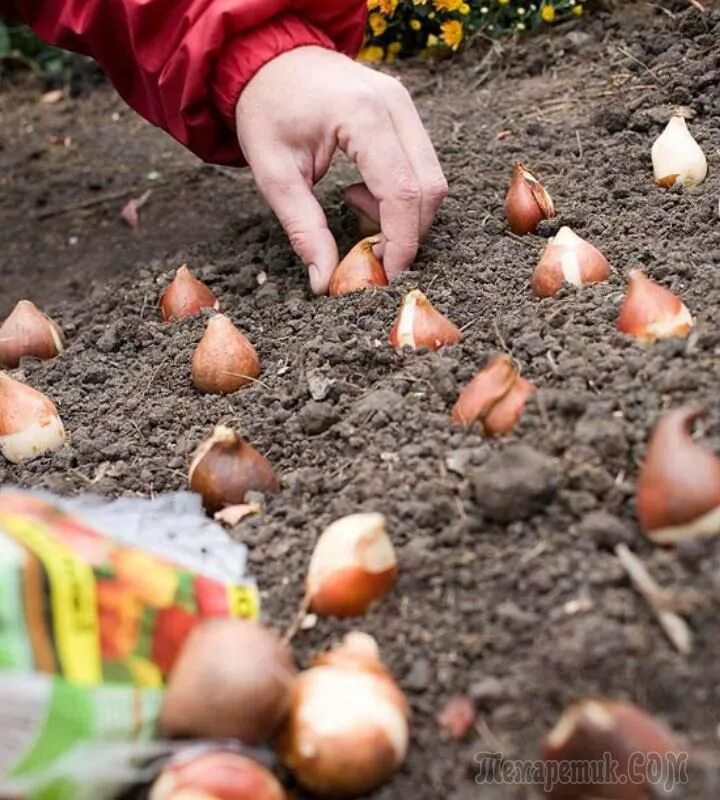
pixel 246 55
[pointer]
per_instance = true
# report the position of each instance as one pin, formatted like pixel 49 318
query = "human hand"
pixel 293 115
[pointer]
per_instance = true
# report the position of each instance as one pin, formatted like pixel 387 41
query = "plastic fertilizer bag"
pixel 96 600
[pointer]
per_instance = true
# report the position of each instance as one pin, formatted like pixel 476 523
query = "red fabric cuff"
pixel 246 54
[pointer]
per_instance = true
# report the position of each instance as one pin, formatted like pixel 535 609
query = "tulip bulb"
pixel 652 312
pixel 677 157
pixel 360 269
pixel 348 727
pixel 29 332
pixel 420 324
pixel 244 695
pixel 29 422
pixel 366 225
pixel 185 296
pixel 678 489
pixel 593 730
pixel 216 776
pixel 568 259
pixel 527 202
pixel 225 467
pixel 496 396
pixel 224 360
pixel 352 566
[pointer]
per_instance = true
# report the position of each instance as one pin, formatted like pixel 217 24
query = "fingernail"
pixel 314 276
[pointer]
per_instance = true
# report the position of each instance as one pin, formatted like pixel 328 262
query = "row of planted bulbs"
pixel 353 564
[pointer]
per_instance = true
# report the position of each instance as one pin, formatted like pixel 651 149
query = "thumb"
pixel 291 198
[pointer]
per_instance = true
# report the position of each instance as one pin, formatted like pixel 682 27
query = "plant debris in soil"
pixel 509 591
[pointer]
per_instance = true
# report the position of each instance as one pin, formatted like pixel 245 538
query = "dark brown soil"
pixel 509 588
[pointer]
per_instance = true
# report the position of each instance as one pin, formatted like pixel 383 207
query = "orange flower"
pixel 119 615
pixel 153 581
pixel 452 33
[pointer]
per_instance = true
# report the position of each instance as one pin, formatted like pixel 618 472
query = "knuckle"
pixel 437 189
pixel 407 190
pixel 364 100
pixel 395 88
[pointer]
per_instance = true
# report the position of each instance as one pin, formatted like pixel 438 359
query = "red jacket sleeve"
pixel 182 64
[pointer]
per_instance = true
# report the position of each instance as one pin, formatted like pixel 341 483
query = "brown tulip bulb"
pixel 360 269
pixel 678 488
pixel 224 360
pixel 352 566
pixel 527 202
pixel 651 311
pixel 420 324
pixel 568 259
pixel 593 731
pixel 29 332
pixel 232 679
pixel 348 727
pixel 496 396
pixel 225 467
pixel 29 422
pixel 216 775
pixel 185 296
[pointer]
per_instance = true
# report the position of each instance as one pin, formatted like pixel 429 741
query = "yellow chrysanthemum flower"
pixel 386 6
pixel 378 23
pixel 548 13
pixel 503 2
pixel 452 33
pixel 447 5
pixel 415 24
pixel 464 8
pixel 371 53
pixel 577 10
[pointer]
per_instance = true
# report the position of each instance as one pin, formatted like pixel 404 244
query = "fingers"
pixel 371 141
pixel 418 147
pixel 291 198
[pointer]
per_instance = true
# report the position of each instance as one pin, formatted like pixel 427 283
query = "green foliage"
pixel 19 42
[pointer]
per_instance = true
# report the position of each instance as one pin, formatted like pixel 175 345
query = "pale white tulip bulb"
pixel 677 157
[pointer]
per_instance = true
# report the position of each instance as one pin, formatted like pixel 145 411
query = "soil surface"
pixel 509 589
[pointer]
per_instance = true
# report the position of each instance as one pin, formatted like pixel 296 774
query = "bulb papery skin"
pixel 677 495
pixel 353 565
pixel 595 729
pixel 420 324
pixel 496 396
pixel 360 269
pixel 490 385
pixel 527 202
pixel 225 467
pixel 29 422
pixel 677 157
pixel 504 415
pixel 348 728
pixel 28 332
pixel 186 296
pixel 651 311
pixel 216 776
pixel 568 258
pixel 224 360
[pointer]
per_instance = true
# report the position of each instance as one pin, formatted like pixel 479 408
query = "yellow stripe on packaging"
pixel 72 598
pixel 243 601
